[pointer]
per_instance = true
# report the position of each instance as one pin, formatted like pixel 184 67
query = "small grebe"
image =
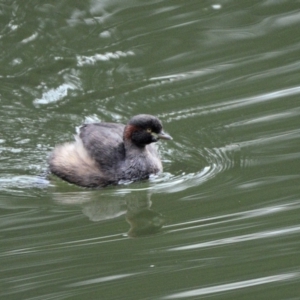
pixel 107 153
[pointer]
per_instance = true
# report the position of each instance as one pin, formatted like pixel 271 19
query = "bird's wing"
pixel 104 142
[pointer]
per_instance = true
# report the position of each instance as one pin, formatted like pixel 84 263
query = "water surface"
pixel 222 221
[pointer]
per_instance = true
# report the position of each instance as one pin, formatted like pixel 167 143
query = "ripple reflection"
pixel 233 286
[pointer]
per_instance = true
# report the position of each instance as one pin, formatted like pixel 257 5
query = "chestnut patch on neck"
pixel 129 130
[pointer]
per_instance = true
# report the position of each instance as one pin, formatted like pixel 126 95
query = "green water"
pixel 222 221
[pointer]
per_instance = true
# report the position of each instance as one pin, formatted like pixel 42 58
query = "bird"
pixel 110 153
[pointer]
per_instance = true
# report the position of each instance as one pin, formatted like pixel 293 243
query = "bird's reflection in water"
pixel 144 222
pixel 135 205
pixel 142 219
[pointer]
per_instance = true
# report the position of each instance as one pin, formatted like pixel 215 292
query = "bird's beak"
pixel 162 135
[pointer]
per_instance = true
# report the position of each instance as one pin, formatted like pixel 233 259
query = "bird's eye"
pixel 149 130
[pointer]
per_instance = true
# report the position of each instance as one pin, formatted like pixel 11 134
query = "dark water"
pixel 222 221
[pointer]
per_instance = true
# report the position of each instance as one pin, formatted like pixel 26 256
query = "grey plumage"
pixel 105 153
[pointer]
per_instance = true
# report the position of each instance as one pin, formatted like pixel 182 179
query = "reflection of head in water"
pixel 144 222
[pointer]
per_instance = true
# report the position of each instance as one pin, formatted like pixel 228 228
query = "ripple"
pixel 235 217
pixel 240 239
pixel 102 279
pixel 230 105
pixel 234 286
pixel 91 60
pixel 218 160
pixel 22 182
pixel 54 95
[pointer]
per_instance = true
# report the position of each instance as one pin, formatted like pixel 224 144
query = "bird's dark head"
pixel 142 130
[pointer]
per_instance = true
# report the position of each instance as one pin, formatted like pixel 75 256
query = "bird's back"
pixel 104 143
